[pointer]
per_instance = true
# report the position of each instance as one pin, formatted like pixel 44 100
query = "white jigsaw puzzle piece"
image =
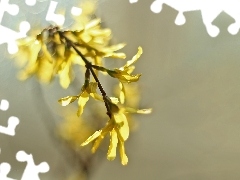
pixel 9 36
pixel 210 10
pixel 12 121
pixel 31 171
pixel 6 34
pixel 6 7
pixel 10 129
pixel 76 11
pixel 59 19
pixel 4 170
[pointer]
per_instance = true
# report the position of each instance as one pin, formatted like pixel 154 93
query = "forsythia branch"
pixel 54 52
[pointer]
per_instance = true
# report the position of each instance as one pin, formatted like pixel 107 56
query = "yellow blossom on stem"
pixel 123 74
pixel 118 129
pixel 88 89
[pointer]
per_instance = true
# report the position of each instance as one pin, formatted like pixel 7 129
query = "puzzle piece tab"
pixel 12 121
pixel 59 19
pixel 4 105
pixel 9 36
pixel 133 1
pixel 52 17
pixel 4 170
pixel 10 129
pixel 30 2
pixel 31 171
pixel 12 9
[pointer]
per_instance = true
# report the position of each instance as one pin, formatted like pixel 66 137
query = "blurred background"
pixel 190 79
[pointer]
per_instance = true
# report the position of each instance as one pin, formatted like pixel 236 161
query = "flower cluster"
pixel 118 129
pixel 48 54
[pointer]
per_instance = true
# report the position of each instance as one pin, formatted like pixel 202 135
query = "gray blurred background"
pixel 191 80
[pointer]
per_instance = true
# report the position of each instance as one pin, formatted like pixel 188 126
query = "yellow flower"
pixel 129 97
pixel 88 89
pixel 118 129
pixel 124 73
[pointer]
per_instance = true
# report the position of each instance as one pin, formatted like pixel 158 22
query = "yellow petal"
pixel 122 93
pixel 113 48
pixel 124 158
pixel 135 58
pixel 92 137
pixel 119 117
pixel 46 53
pixel 124 76
pixel 97 143
pixel 113 145
pixel 75 59
pixel 67 100
pixel 96 96
pixel 122 125
pixel 99 139
pixel 100 32
pixel 86 38
pixel 99 40
pixel 139 111
pixel 116 55
pixel 83 99
pixel 130 69
pixel 44 70
pixel 34 50
pixel 144 111
pixel 65 76
pixel 129 78
pixel 92 24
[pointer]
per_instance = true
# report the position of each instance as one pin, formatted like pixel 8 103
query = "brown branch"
pixel 89 66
